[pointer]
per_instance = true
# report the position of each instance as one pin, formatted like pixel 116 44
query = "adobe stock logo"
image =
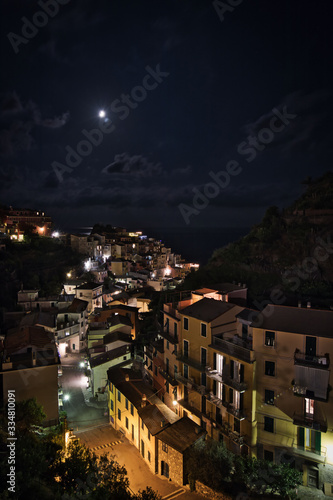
pixel 120 108
pixel 29 30
pixel 248 148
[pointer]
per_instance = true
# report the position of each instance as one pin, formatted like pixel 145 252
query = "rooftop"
pixel 305 321
pixel 182 434
pixel 207 309
pixel 89 286
pixel 153 418
pixel 29 336
pixel 77 306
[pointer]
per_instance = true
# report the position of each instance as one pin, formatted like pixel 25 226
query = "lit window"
pixel 165 447
pixel 309 407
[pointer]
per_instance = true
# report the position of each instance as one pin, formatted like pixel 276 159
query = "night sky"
pixel 207 85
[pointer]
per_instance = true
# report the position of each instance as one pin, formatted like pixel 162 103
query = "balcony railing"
pixel 236 412
pixel 215 400
pixel 191 384
pixel 310 421
pixel 309 360
pixel 239 349
pixel 191 362
pixel 214 374
pixel 172 381
pixel 317 455
pixel 234 383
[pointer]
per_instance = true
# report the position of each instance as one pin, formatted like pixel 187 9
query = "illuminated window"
pixel 309 407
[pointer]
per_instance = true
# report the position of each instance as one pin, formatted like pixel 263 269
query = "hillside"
pixel 292 248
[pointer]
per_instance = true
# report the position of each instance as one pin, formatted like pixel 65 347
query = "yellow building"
pixel 294 407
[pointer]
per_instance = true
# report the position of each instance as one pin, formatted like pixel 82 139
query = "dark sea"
pixel 194 244
pixel 197 244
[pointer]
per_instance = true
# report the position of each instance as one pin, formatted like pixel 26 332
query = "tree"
pixel 29 413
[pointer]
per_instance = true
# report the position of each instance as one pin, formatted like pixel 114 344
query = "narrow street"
pixel 90 424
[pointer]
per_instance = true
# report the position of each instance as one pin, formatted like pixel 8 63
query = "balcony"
pixel 234 383
pixel 172 381
pixel 215 400
pixel 191 384
pixel 213 374
pixel 300 358
pixel 232 410
pixel 311 454
pixel 191 362
pixel 238 348
pixel 309 421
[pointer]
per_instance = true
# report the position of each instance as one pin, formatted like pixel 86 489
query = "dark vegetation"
pixel 44 469
pixel 291 249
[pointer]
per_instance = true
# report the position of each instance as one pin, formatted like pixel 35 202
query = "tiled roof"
pixel 207 309
pixel 181 435
pixel 29 336
pixel 306 321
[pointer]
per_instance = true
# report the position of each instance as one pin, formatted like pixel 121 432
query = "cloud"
pixel 17 121
pixel 309 131
pixel 133 166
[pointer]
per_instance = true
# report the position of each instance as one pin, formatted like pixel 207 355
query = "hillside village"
pixel 258 380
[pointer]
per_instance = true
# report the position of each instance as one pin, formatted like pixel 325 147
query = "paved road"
pixel 91 426
pixel 105 439
pixel 79 414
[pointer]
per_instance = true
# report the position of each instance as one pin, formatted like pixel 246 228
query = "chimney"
pixel 299 303
pixel 143 401
pixel 308 305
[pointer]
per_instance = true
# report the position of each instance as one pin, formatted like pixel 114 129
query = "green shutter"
pixel 318 442
pixel 301 437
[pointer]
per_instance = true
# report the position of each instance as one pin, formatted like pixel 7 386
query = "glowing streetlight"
pixel 102 113
pixel 174 402
pixel 66 397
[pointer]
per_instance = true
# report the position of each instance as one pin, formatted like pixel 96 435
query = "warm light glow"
pixel 102 113
pixel 81 364
pixel 55 234
pixel 87 265
pixel 174 403
pixel 167 271
pixel 66 397
pixel 69 275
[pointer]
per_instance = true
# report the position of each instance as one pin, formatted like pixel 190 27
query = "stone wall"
pixel 209 493
pixel 174 459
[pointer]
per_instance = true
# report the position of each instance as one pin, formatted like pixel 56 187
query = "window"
pixel 132 409
pixel 185 371
pixel 218 363
pixel 167 387
pixel 269 397
pixel 149 457
pixel 111 388
pixel 126 403
pixel 236 425
pixel 203 356
pixel 175 369
pixel 175 328
pixel 167 325
pixel 186 343
pixel 149 435
pixel 269 424
pixel 270 338
pixel 269 456
pixel 203 330
pixel 309 407
pixel 111 404
pixel 165 447
pixel 142 425
pixel 185 323
pixel 270 368
pixel 155 369
pixel 167 345
pixel 119 396
pixel 203 379
pixel 119 414
pixel 126 422
pixel 167 366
